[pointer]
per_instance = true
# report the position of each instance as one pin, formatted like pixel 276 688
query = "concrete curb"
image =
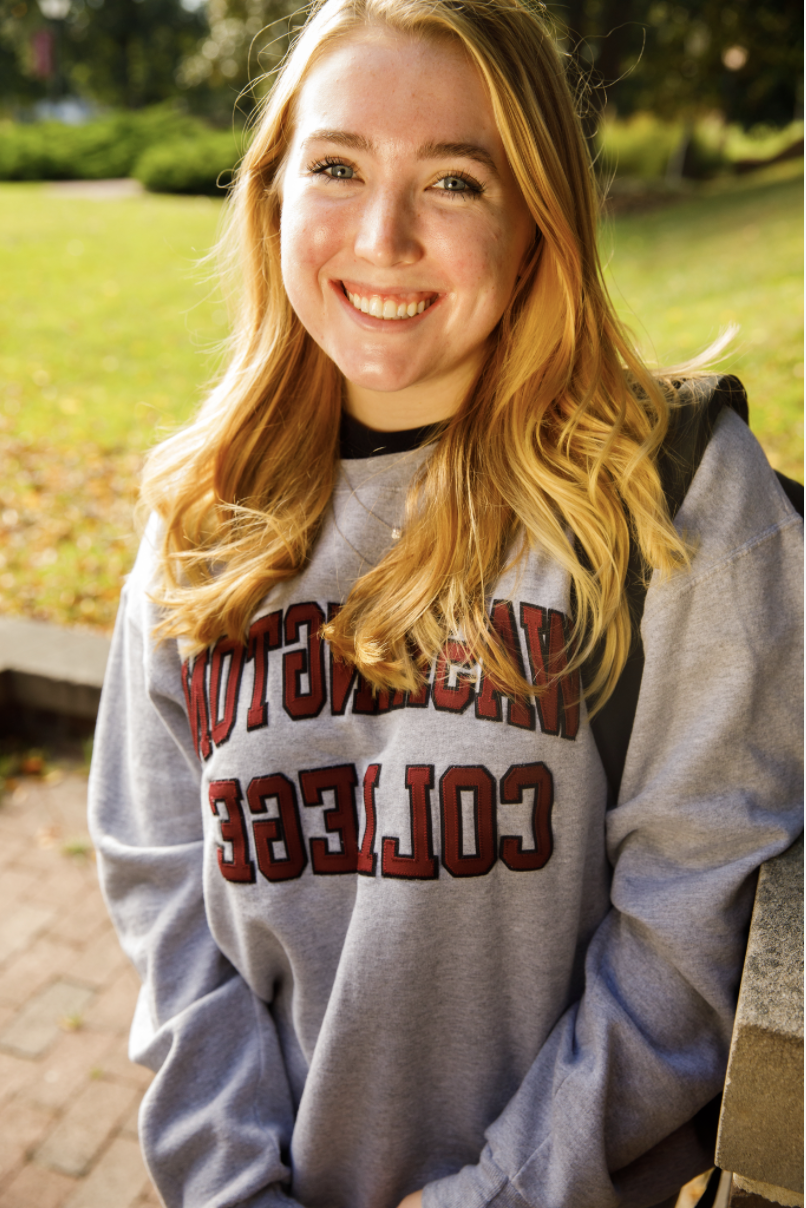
pixel 46 668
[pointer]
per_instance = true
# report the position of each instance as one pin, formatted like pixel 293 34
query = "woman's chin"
pixel 425 384
pixel 386 380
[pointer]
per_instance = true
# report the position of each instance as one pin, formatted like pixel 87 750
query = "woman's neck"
pixel 416 406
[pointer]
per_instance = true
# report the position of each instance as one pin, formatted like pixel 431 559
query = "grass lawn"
pixel 732 253
pixel 110 330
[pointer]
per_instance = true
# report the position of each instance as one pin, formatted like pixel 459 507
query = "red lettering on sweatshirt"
pixel 514 783
pixel 366 856
pixel 238 868
pixel 364 699
pixel 212 697
pixel 546 642
pixel 421 865
pixel 388 701
pixel 264 635
pixel 298 702
pixel 341 819
pixel 478 781
pixel 342 679
pixel 229 653
pixel 285 828
pixel 420 697
pixel 342 675
pixel 447 698
pixel 194 685
pixel 520 712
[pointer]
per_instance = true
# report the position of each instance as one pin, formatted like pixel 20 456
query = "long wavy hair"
pixel 555 445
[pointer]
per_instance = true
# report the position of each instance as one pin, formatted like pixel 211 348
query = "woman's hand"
pixel 414 1200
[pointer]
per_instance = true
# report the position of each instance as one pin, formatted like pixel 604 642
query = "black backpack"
pixel 701 401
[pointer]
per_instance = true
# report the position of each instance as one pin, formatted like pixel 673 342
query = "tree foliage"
pixel 119 52
pixel 675 57
pixel 685 57
pixel 244 43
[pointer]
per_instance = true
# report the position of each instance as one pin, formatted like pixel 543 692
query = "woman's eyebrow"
pixel 358 142
pixel 343 137
pixel 459 151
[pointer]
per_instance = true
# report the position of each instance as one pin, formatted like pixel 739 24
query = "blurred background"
pixel 120 123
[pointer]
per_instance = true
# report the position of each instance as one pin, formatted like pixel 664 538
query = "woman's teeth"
pixel 387 308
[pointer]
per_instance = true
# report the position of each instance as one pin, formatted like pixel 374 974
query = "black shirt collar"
pixel 358 441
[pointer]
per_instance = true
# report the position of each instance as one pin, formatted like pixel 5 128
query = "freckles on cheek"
pixel 496 274
pixel 294 247
pixel 307 247
pixel 482 272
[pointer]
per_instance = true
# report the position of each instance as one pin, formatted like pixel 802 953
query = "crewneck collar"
pixel 357 441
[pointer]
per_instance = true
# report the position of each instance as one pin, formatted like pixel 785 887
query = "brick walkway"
pixel 68 1093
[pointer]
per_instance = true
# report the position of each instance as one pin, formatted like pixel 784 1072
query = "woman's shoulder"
pixel 138 607
pixel 734 493
pixel 734 507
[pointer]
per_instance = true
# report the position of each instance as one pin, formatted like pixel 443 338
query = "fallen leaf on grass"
pixel 67 535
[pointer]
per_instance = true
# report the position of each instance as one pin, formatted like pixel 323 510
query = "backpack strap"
pixel 691 425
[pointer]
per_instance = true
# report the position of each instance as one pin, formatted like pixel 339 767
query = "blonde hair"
pixel 555 445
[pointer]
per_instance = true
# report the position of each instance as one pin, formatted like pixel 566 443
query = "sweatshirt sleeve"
pixel 218 1115
pixel 712 787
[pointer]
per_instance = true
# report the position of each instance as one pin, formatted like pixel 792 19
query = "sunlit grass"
pixel 730 253
pixel 109 330
pixel 108 324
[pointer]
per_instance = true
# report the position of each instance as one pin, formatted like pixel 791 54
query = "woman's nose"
pixel 387 230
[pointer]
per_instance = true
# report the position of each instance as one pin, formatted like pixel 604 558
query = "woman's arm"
pixel 217 1118
pixel 712 787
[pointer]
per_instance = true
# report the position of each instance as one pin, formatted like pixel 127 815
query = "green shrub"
pixel 706 152
pixel 201 164
pixel 640 147
pixel 645 147
pixel 106 147
pixel 164 148
pixel 762 142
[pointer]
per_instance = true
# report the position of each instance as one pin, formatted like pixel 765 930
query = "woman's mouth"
pixel 382 306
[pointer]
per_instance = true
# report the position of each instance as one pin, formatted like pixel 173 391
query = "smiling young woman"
pixel 397 194
pixel 400 940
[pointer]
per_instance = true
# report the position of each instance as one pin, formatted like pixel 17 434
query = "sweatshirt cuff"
pixel 482 1186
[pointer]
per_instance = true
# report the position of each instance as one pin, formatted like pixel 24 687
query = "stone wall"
pixel 761 1126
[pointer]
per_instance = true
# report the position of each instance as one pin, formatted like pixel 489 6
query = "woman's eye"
pixel 333 170
pixel 463 185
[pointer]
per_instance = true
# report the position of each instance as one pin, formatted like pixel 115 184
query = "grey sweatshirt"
pixel 396 943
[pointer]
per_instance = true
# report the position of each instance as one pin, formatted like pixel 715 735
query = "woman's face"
pixel 403 230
